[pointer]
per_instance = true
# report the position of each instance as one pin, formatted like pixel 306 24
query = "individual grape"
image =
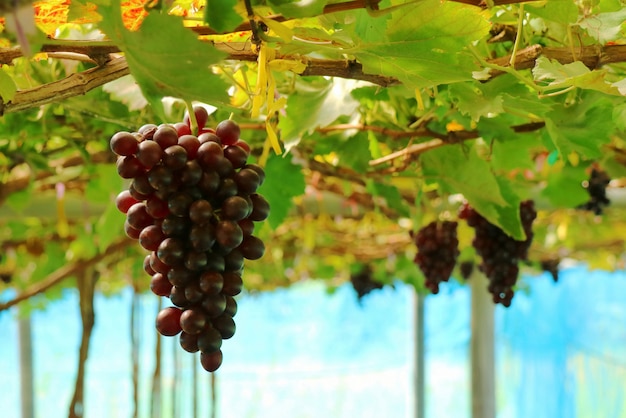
pixel 146 266
pixel 168 321
pixel 227 188
pixel 180 276
pixel 171 251
pixel 224 167
pixel 202 237
pixel 258 169
pixel 129 167
pixel 228 234
pixel 175 226
pixel 193 320
pixel 228 131
pixel 182 129
pixel 252 247
pixel 231 307
pixel 215 262
pixel 157 265
pixel 211 361
pixel 149 154
pixel 177 297
pixel 209 340
pixel 166 136
pixel 260 208
pixel 233 260
pixel 247 180
pixel 196 261
pixel 193 293
pixel 211 282
pixel 124 144
pixel 191 174
pixel 247 227
pixel 236 155
pixel 209 182
pixel 209 137
pixel 214 304
pixel 142 185
pixel 157 208
pixel 201 114
pixel 130 231
pixel 243 145
pixel 225 325
pixel 179 204
pixel 148 130
pixel 161 177
pixel 233 283
pixel 150 237
pixel 209 153
pixel 200 211
pixel 124 201
pixel 235 208
pixel 189 342
pixel 138 217
pixel 174 157
pixel 139 197
pixel 159 285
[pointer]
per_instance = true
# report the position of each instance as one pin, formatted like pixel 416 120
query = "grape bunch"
pixel 363 282
pixel 437 252
pixel 596 188
pixel 193 203
pixel 500 253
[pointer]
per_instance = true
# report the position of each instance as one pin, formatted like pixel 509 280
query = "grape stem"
pixel 192 117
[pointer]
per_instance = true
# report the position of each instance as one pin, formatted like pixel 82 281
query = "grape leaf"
pixel 354 152
pixel 559 76
pixel 109 226
pixel 604 27
pixel 471 100
pixel 564 188
pixel 561 11
pixel 283 181
pixel 459 171
pixel 221 15
pixel 166 58
pixel 298 8
pixel 392 196
pixel 422 44
pixel 8 88
pixel 583 127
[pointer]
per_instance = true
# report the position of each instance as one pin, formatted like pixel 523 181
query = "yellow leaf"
pixel 282 31
pixel 297 67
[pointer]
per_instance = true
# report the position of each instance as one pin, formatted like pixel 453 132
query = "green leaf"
pixel 561 11
pixel 392 196
pixel 315 103
pixel 423 43
pixel 298 8
pixel 604 27
pixel 166 58
pixel 471 100
pixel 221 15
pixel 564 187
pixel 560 76
pixel 459 171
pixel 18 201
pixel 354 152
pixel 104 183
pixel 8 88
pixel 283 181
pixel 582 128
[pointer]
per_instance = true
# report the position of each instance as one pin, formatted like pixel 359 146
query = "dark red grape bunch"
pixel 500 253
pixel 363 282
pixel 437 252
pixel 193 203
pixel 551 265
pixel 596 188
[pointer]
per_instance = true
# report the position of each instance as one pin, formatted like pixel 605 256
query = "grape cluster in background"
pixel 500 253
pixel 193 203
pixel 437 252
pixel 596 188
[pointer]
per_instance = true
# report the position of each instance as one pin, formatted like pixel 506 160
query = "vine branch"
pixel 64 272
